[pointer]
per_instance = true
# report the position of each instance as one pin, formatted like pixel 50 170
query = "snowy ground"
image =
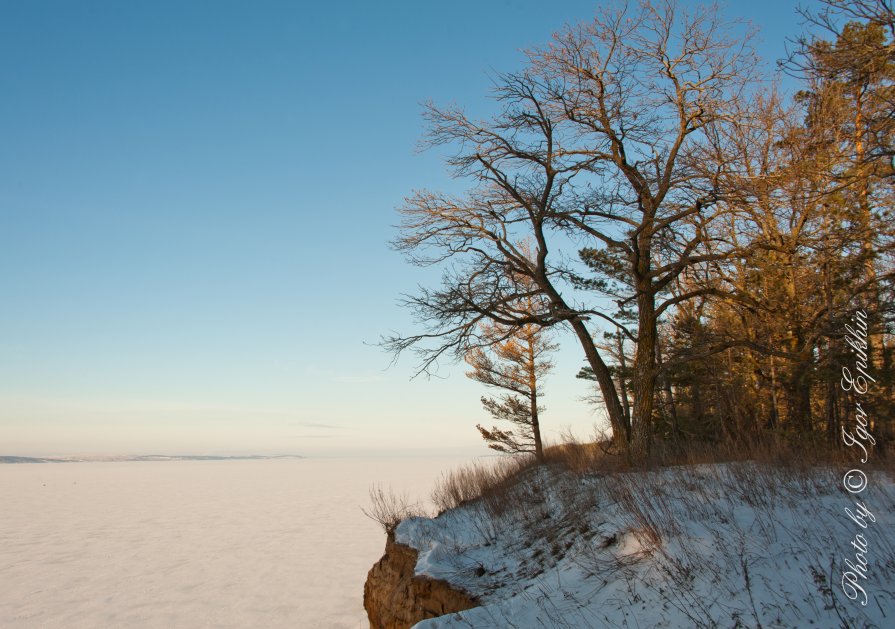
pixel 713 546
pixel 275 543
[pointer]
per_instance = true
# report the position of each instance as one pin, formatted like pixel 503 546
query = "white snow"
pixel 251 543
pixel 715 546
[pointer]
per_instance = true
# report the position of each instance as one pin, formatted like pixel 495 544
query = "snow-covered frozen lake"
pixel 239 543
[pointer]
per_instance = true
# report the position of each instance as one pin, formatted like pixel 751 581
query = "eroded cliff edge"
pixel 396 598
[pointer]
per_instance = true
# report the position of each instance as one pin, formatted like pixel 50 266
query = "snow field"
pixel 264 543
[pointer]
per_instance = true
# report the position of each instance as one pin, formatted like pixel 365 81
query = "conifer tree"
pixel 516 364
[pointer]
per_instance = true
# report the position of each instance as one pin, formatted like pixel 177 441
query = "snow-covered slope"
pixel 734 545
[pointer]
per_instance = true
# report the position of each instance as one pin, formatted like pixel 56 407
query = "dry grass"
pixel 490 480
pixel 389 509
pixel 494 481
pixel 776 450
pixel 653 496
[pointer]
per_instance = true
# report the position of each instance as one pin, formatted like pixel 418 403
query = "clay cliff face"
pixel 396 598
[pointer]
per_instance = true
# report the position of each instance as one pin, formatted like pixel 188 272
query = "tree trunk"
pixel 622 377
pixel 621 430
pixel 832 411
pixel 799 396
pixel 774 417
pixel 536 429
pixel 669 394
pixel 644 372
pixel 697 409
pixel 533 397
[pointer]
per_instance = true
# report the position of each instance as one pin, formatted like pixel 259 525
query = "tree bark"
pixel 799 396
pixel 644 373
pixel 621 430
pixel 533 397
pixel 622 377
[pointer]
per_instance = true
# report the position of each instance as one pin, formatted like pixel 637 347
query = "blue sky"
pixel 195 205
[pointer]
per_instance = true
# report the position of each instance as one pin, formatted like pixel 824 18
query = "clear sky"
pixel 195 205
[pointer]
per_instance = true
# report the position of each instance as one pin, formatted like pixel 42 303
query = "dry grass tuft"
pixel 490 480
pixel 389 509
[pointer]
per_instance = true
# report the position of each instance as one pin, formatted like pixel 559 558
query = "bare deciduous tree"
pixel 596 145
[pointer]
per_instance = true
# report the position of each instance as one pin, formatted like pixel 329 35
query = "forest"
pixel 721 248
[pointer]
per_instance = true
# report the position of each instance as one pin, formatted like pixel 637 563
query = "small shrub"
pixel 389 509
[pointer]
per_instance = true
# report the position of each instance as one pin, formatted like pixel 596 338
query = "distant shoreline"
pixel 148 457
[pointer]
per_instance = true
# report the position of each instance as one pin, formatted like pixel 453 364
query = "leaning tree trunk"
pixel 621 430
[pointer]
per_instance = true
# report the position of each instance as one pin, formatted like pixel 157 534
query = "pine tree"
pixel 516 362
